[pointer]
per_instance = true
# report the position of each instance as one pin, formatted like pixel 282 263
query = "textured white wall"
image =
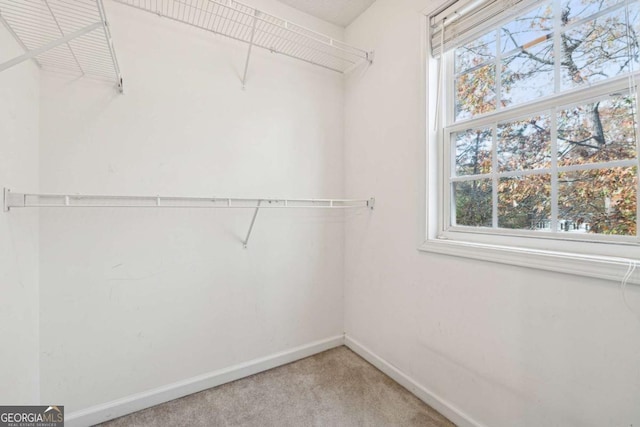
pixel 508 346
pixel 136 299
pixel 18 230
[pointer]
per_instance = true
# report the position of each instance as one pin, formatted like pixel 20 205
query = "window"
pixel 538 122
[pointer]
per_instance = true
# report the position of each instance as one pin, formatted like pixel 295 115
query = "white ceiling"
pixel 339 12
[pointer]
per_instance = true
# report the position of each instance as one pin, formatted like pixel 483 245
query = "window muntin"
pixel 569 170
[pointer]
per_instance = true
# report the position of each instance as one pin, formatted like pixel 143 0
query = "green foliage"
pixel 473 203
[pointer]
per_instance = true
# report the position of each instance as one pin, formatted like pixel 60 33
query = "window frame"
pixel 596 257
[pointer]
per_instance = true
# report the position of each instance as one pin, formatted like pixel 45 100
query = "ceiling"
pixel 339 12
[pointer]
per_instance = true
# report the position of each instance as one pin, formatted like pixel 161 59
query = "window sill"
pixel 601 267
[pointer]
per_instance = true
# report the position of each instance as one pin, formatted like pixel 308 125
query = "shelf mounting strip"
pixel 25 200
pixel 69 36
pixel 244 23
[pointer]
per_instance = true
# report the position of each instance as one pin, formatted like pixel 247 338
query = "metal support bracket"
pixel 35 52
pixel 253 33
pixel 253 221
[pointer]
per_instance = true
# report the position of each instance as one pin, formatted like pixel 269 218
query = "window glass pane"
pixel 473 203
pixel 473 151
pixel 528 29
pixel 599 201
pixel 475 92
pixel 524 144
pixel 524 202
pixel 475 53
pixel 574 10
pixel 528 74
pixel 598 49
pixel 597 132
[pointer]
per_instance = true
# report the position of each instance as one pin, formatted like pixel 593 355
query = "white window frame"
pixel 599 257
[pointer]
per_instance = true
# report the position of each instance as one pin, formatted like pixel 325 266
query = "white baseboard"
pixel 136 402
pixel 441 405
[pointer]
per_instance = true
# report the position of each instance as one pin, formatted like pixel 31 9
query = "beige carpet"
pixel 334 388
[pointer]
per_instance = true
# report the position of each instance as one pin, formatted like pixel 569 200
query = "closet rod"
pixel 33 200
pixel 27 200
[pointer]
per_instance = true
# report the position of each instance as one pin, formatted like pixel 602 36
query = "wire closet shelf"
pixel 246 24
pixel 68 36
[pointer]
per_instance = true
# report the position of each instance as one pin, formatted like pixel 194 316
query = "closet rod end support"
pixel 13 200
pixel 371 203
pixel 371 55
pixel 5 200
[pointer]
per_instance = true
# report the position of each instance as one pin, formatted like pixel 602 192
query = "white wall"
pixel 508 346
pixel 136 299
pixel 18 231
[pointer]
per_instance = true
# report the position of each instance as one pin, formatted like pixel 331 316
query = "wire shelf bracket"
pixel 253 222
pixel 13 200
pixel 257 28
pixel 68 36
pixel 246 64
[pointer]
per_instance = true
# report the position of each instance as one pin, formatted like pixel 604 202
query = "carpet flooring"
pixel 335 388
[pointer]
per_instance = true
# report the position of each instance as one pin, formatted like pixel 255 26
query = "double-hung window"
pixel 537 124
